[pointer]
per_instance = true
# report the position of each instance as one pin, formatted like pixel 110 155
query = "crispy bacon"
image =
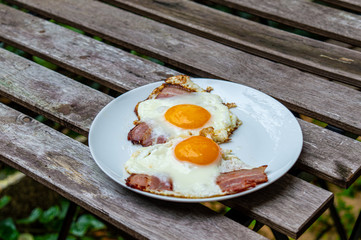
pixel 241 180
pixel 146 183
pixel 142 134
pixel 230 182
pixel 171 91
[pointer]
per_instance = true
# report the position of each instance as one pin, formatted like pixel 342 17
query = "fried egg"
pixel 192 164
pixel 196 113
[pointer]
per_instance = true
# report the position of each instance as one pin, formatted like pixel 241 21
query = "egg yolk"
pixel 187 116
pixel 198 150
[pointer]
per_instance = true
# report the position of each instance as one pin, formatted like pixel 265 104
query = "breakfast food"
pixel 193 167
pixel 180 126
pixel 180 108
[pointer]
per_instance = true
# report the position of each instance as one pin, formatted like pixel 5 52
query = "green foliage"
pixel 50 215
pixel 50 222
pixel 34 215
pixel 319 123
pixel 252 224
pixel 25 236
pixel 4 201
pixel 85 223
pixel 352 190
pixel 95 85
pixel 44 63
pixel 351 135
pixel 347 217
pixel 6 171
pixel 67 26
pixel 14 50
pixel 245 15
pixel 49 236
pixel 41 118
pixel 98 38
pixel 64 206
pixel 222 8
pixel 345 210
pixel 8 230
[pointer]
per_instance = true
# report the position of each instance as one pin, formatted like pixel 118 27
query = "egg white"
pixel 222 119
pixel 189 180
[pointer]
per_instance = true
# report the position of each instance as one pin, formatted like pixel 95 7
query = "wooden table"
pixel 311 77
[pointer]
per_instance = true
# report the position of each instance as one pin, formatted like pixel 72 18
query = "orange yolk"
pixel 187 116
pixel 198 150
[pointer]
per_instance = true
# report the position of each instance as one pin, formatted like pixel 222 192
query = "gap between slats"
pixel 106 51
pixel 304 14
pixel 67 167
pixel 57 100
pixel 311 55
pixel 212 66
pixel 353 5
pixel 24 65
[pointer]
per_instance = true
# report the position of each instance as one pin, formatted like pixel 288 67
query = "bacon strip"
pixel 142 134
pixel 241 180
pixel 230 182
pixel 145 183
pixel 140 131
pixel 171 91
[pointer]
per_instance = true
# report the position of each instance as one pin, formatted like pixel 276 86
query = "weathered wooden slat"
pixel 45 91
pixel 306 15
pixel 21 78
pixel 80 54
pixel 67 167
pixel 307 54
pixel 301 92
pixel 290 190
pixel 354 5
pixel 328 155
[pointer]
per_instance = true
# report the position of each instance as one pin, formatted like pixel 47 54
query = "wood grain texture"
pixel 46 92
pixel 328 155
pixel 301 92
pixel 354 5
pixel 306 15
pixel 307 54
pixel 293 189
pixel 80 54
pixel 67 167
pixel 336 159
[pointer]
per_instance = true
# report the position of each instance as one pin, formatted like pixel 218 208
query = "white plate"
pixel 270 134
